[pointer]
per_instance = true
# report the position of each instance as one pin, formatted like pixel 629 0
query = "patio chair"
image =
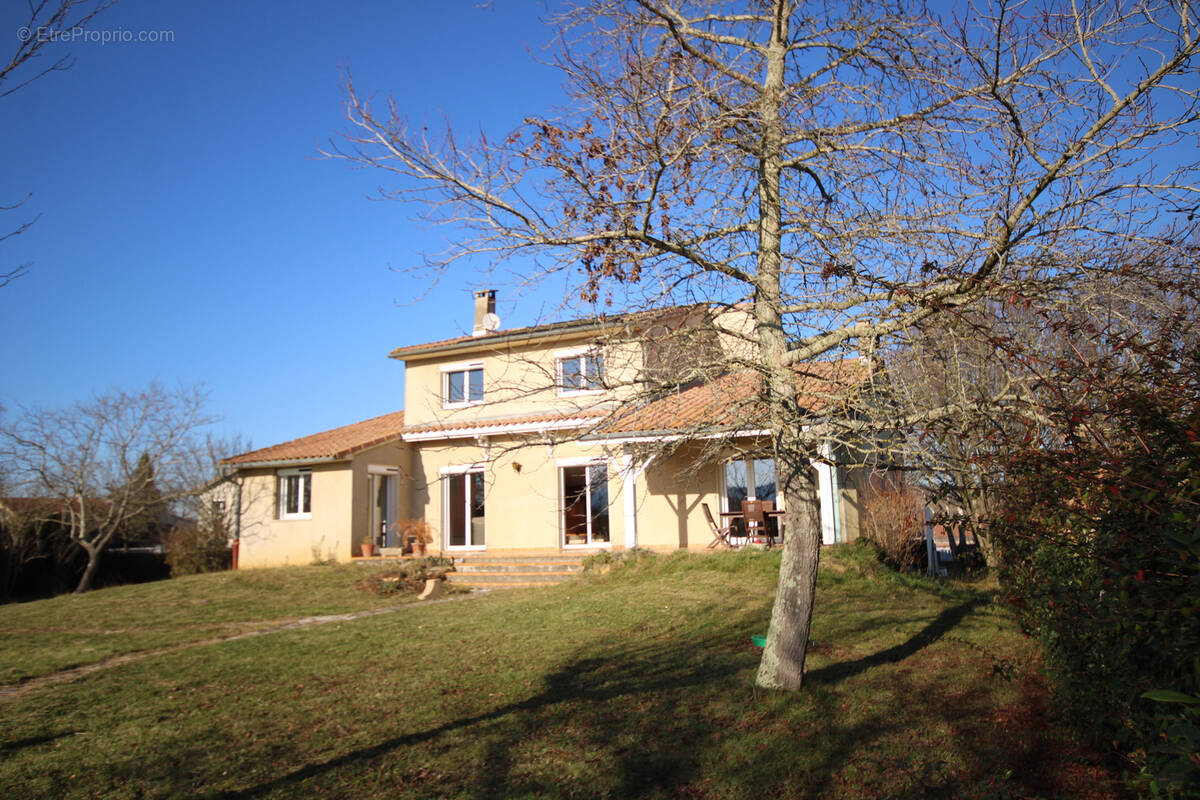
pixel 720 533
pixel 756 520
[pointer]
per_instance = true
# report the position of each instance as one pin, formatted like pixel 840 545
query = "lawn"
pixel 638 683
pixel 73 630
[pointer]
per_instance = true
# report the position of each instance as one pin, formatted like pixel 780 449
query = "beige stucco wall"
pixel 395 454
pixel 516 380
pixel 340 510
pixel 736 330
pixel 671 492
pixel 851 482
pixel 521 378
pixel 522 505
pixel 267 541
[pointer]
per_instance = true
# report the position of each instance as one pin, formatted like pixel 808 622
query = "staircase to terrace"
pixel 511 572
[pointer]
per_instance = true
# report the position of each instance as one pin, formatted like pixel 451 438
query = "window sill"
pixel 450 406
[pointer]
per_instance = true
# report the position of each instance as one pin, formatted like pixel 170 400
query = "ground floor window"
pixel 749 479
pixel 585 504
pixel 295 494
pixel 464 497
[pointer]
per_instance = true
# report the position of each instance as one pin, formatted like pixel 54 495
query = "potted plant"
pixel 417 535
pixel 367 547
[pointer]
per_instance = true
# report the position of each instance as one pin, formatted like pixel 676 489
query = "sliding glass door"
pixel 584 505
pixel 464 496
pixel 749 479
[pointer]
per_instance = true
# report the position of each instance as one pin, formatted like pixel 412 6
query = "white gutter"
pixel 498 429
pixel 287 462
pixel 671 437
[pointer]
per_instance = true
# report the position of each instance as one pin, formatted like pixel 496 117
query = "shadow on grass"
pixel 935 630
pixel 637 719
pixel 655 671
pixel 33 741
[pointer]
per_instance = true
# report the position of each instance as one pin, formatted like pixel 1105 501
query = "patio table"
pixel 737 521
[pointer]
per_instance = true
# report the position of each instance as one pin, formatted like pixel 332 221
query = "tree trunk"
pixel 89 572
pixel 782 665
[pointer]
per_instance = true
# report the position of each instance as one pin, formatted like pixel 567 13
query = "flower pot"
pixel 368 549
pixel 418 547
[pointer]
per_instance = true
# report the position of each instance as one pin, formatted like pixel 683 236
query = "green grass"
pixel 638 683
pixel 73 630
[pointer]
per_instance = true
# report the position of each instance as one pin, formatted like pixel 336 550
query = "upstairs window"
pixel 581 372
pixel 295 494
pixel 462 387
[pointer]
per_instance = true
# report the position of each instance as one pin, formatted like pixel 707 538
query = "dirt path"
pixel 10 691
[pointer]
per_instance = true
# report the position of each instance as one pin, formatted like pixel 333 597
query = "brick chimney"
pixel 485 305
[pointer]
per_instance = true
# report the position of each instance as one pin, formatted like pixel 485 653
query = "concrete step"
pixel 508 578
pixel 508 585
pixel 517 566
pixel 497 572
pixel 484 558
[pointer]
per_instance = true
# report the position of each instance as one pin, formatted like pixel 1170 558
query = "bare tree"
pixel 851 172
pixel 86 459
pixel 1009 369
pixel 45 26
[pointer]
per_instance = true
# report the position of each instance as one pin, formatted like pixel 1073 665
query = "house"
pixel 316 498
pixel 610 432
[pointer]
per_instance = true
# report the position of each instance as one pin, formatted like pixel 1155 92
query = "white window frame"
pixel 749 475
pixel 560 465
pixel 390 496
pixel 582 353
pixel 466 369
pixel 281 477
pixel 461 471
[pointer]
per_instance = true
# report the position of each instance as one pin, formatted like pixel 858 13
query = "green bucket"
pixel 760 640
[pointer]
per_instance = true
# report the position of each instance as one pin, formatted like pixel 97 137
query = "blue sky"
pixel 190 233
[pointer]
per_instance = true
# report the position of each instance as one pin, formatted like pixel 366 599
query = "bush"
pixel 37 557
pixel 1099 542
pixel 203 547
pixel 893 519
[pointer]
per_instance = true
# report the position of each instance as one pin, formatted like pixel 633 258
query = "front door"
pixel 585 505
pixel 381 489
pixel 464 500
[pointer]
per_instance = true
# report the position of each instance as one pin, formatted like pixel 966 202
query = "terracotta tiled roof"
pixel 498 423
pixel 332 444
pixel 734 400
